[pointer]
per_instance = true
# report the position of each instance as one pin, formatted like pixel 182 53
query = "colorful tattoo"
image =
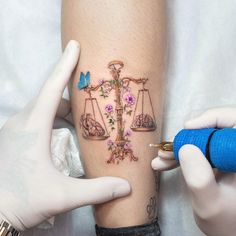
pixel 109 114
pixel 84 80
pixel 95 122
pixel 152 208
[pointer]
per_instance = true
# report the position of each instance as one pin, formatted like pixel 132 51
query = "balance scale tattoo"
pixel 97 125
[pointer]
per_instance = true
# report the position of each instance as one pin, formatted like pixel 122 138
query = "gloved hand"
pixel 212 194
pixel 31 189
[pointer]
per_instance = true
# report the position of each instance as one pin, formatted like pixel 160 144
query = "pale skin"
pixel 135 33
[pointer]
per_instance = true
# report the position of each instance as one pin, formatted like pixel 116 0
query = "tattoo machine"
pixel 218 146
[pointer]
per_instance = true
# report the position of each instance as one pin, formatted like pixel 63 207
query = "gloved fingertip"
pixel 121 189
pixel 190 124
pixel 196 169
pixel 72 45
pixel 155 164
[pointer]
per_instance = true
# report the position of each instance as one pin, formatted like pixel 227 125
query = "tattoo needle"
pixel 164 146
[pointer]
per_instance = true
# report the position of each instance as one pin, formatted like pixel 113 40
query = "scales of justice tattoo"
pixel 97 124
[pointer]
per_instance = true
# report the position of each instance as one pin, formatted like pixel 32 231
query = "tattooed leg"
pixel 117 97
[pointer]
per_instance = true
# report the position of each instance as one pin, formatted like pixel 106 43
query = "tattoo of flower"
pixel 126 89
pixel 127 135
pixel 111 145
pixel 127 145
pixel 103 92
pixel 109 108
pixel 109 115
pixel 106 87
pixel 129 100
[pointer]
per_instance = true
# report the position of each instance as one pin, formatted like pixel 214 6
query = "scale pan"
pixel 143 129
pixel 143 123
pixel 104 137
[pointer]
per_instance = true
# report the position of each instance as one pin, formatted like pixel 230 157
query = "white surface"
pixel 65 154
pixel 201 74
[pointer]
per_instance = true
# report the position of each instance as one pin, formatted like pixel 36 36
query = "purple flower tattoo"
pixel 129 99
pixel 109 108
pixel 110 143
pixel 101 81
pixel 127 146
pixel 127 133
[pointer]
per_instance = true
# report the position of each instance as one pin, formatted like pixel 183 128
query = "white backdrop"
pixel 201 71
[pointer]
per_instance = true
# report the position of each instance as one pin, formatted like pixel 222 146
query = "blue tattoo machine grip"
pixel 218 145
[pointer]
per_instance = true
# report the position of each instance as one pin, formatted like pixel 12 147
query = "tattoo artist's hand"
pixel 31 189
pixel 164 161
pixel 212 194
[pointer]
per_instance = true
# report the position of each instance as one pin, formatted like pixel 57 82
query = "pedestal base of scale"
pixel 120 153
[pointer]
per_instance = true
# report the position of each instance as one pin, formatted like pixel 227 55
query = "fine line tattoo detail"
pixel 152 208
pixel 98 124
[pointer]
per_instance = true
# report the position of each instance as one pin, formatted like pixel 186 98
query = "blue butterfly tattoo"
pixel 84 80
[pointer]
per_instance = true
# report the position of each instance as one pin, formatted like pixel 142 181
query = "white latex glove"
pixel 31 189
pixel 164 161
pixel 213 195
pixel 65 156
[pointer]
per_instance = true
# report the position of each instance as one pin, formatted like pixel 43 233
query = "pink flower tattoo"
pixel 129 99
pixel 127 133
pixel 109 108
